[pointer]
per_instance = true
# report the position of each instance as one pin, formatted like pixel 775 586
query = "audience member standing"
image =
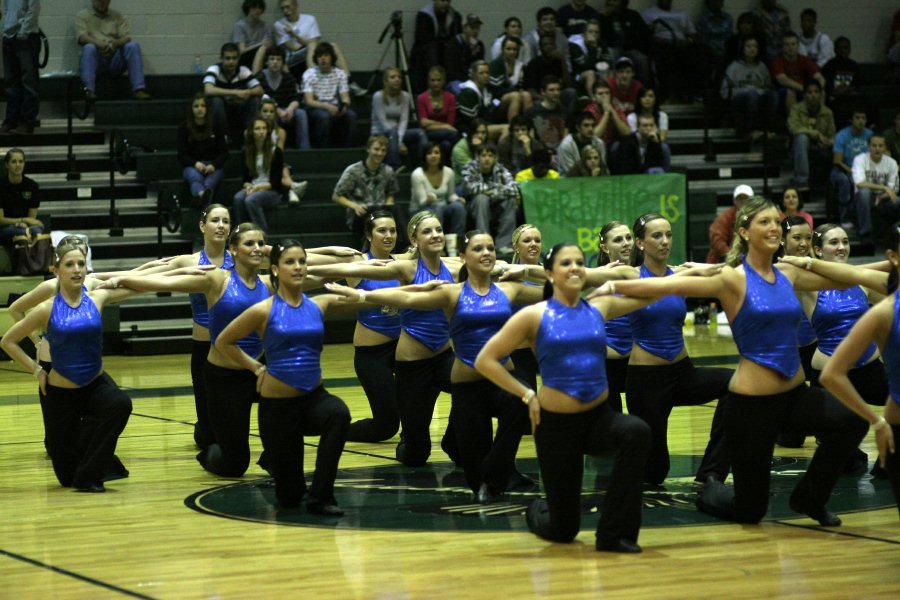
pixel 21 44
pixel 436 25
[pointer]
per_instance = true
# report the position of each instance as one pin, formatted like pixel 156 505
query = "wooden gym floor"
pixel 141 539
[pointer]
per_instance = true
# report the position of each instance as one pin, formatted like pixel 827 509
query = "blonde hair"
pixel 515 240
pixel 743 218
pixel 413 225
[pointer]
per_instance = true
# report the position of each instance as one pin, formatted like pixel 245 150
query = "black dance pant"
pixel 870 381
pixel 616 375
pixel 651 393
pixel 282 424
pixel 525 367
pixel 203 433
pixel 561 441
pixel 751 426
pixel 893 467
pixel 375 370
pixel 486 458
pixel 418 384
pixel 80 460
pixel 230 394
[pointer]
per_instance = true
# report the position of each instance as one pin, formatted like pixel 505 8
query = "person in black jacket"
pixel 263 163
pixel 436 25
pixel 202 152
pixel 640 152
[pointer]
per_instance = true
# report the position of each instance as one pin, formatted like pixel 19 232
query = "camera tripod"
pixel 400 54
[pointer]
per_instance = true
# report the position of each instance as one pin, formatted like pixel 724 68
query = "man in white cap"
pixel 721 231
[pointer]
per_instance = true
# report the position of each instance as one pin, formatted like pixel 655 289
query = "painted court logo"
pixel 436 497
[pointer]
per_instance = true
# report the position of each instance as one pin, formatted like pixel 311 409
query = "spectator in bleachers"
pixel 512 27
pixel 436 25
pixel 549 62
pixel 624 87
pixel 611 124
pixel 721 230
pixel 19 200
pixel 491 193
pixel 507 78
pixel 876 179
pixel 648 104
pixel 841 73
pixel 848 143
pixel 541 167
pixel 252 35
pixel 262 169
pixel 774 22
pixel 327 94
pixel 476 102
pixel 202 152
pixel 748 85
pixel 463 50
pixel 232 93
pixel 107 48
pixel 640 152
pixel 434 188
pixel 279 85
pixel 791 205
pixel 299 35
pixel 714 28
pixel 390 118
pixel 592 59
pixel 546 26
pixel 268 110
pixel 516 145
pixel 436 108
pixel 627 34
pixel 892 138
pixel 21 45
pixel 814 44
pixel 680 62
pixel 467 147
pixel 790 71
pixel 368 185
pixel 572 17
pixel 747 26
pixel 549 116
pixel 811 124
pixel 570 149
pixel 590 164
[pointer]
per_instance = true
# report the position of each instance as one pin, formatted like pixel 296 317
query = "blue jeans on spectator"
pixel 20 65
pixel 802 148
pixel 750 105
pixel 415 137
pixel 233 116
pixel 483 209
pixel 128 57
pixel 842 182
pixel 200 182
pixel 322 125
pixel 8 232
pixel 300 123
pixel 254 206
pixel 864 199
pixel 452 216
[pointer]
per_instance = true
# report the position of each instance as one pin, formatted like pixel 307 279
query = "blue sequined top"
pixel 293 343
pixel 236 299
pixel 835 314
pixel 428 327
pixel 657 328
pixel 571 350
pixel 891 352
pixel 199 309
pixel 618 334
pixel 765 328
pixel 76 336
pixel 476 319
pixel 383 319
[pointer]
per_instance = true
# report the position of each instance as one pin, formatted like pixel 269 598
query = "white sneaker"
pixel 356 89
pixel 293 198
pixel 299 188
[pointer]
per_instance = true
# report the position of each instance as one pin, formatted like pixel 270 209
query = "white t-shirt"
pixel 306 27
pixel 663 124
pixel 679 21
pixel 883 172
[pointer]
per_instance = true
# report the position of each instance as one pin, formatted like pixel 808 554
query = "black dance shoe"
pixel 324 509
pixel 818 513
pixel 89 488
pixel 622 545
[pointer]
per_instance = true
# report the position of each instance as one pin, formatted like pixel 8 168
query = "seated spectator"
pixel 436 24
pixel 507 78
pixel 791 205
pixel 390 118
pixel 434 188
pixel 640 152
pixel 252 35
pixel 627 34
pixel 892 138
pixel 19 200
pixel 624 87
pixel 811 124
pixel 541 167
pixel 549 116
pixel 546 26
pixel 268 110
pixel 463 50
pixel 790 71
pixel 549 62
pixel 279 85
pixel 570 149
pixel 262 170
pixel 512 27
pixel 714 29
pixel 327 94
pixel 491 193
pixel 516 145
pixel 747 26
pixel 232 93
pixel 573 17
pixel 648 104
pixel 814 44
pixel 611 124
pixel 436 108
pixel 748 86
pixel 202 152
pixel 368 185
pixel 841 72
pixel 774 22
pixel 876 180
pixel 107 48
pixel 681 65
pixel 848 143
pixel 721 230
pixel 591 164
pixel 476 102
pixel 467 147
pixel 592 59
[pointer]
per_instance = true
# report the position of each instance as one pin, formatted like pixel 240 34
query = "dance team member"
pixel 616 245
pixel 527 246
